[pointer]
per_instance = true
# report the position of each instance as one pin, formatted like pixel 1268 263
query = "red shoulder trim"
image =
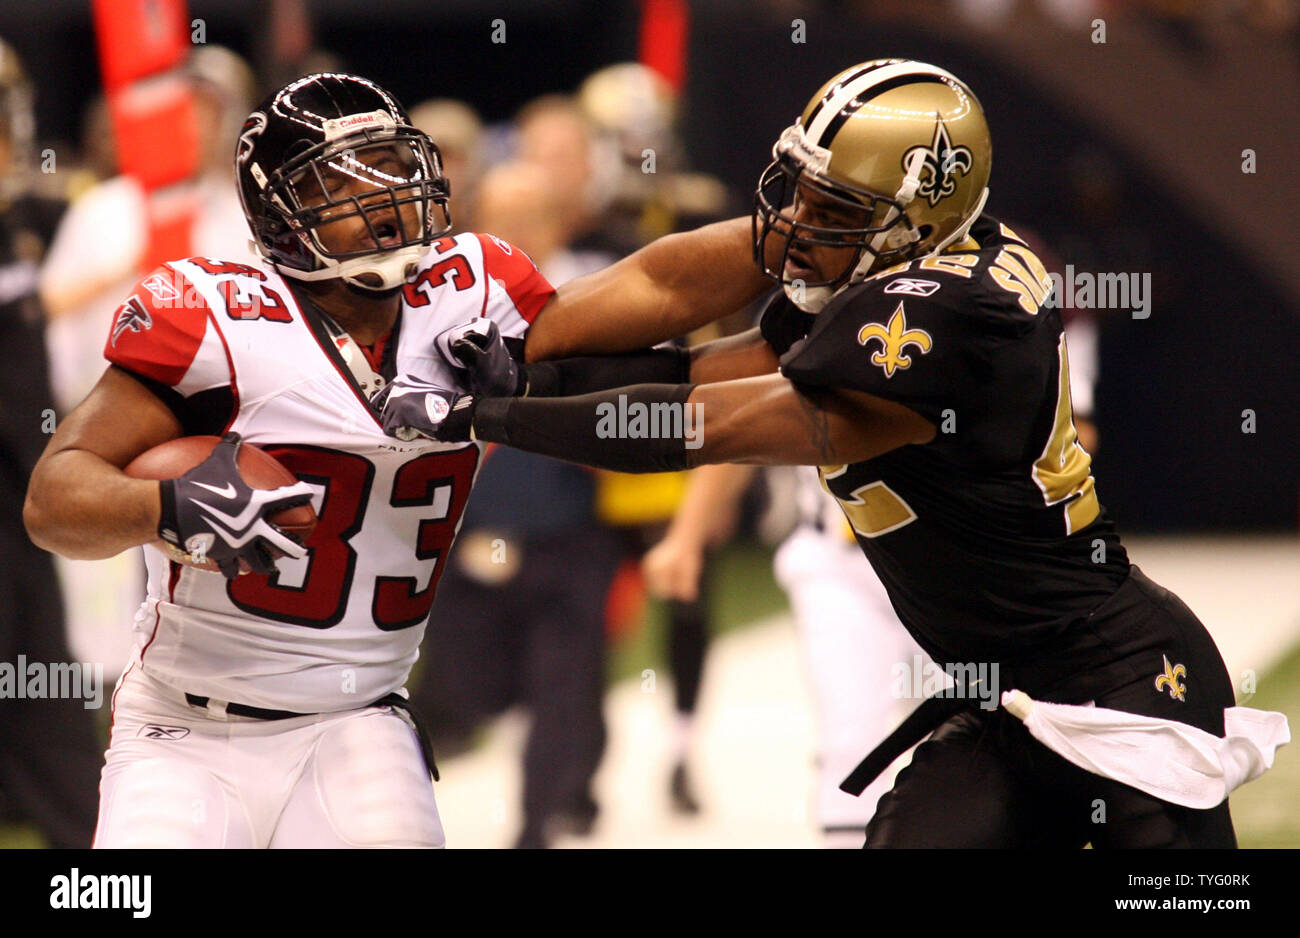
pixel 158 330
pixel 515 271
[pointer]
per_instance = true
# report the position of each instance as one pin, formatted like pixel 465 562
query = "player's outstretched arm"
pixel 764 420
pixel 478 354
pixel 668 288
pixel 79 502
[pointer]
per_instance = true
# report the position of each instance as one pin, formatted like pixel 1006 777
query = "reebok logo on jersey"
pixel 910 286
pixel 893 340
pixel 157 731
pixel 161 288
pixel 131 317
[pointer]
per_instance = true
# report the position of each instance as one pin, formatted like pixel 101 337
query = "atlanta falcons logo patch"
pixel 131 317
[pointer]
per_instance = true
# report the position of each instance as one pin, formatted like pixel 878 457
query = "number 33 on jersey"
pixel 230 347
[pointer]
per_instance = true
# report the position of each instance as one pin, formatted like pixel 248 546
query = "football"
pixel 258 468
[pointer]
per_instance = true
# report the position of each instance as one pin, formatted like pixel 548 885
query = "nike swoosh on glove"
pixel 410 408
pixel 212 513
pixel 477 349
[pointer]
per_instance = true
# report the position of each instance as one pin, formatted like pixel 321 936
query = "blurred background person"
pixel 49 756
pixel 645 186
pixel 638 190
pixel 458 131
pixel 94 260
pixel 551 133
pixel 852 642
pixel 600 151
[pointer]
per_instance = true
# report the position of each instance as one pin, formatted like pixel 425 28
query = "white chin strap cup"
pixel 390 268
pixel 809 299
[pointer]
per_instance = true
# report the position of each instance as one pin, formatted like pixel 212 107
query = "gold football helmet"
pixel 899 148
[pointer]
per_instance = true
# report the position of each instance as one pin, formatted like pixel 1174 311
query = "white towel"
pixel 1164 758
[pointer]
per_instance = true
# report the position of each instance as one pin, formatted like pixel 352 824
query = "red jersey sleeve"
pixel 161 332
pixel 515 272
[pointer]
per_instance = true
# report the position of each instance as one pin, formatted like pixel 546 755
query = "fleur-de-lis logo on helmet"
pixel 1170 679
pixel 893 340
pixel 943 162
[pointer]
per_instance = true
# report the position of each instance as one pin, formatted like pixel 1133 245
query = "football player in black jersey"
pixel 912 356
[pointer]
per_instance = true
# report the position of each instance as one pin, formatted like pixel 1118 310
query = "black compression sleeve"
pixel 645 428
pixel 566 377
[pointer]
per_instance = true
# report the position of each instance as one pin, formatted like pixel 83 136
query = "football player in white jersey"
pixel 264 709
pixel 248 715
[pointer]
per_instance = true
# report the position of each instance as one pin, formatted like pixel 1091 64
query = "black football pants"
pixel 983 781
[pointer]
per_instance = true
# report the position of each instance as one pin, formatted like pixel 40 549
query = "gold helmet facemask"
pixel 888 233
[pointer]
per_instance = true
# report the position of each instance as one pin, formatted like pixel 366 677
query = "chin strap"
pixel 964 228
pixel 894 237
pixel 391 268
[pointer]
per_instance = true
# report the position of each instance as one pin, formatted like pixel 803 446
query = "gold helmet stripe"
pixel 853 95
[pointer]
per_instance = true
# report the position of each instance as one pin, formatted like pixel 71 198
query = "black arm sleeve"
pixel 628 429
pixel 566 377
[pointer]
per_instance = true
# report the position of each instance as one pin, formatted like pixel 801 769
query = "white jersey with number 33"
pixel 229 348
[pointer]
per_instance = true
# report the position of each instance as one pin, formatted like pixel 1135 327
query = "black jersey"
pixel 990 539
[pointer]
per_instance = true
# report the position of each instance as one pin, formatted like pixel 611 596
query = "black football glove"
pixel 410 408
pixel 476 350
pixel 211 513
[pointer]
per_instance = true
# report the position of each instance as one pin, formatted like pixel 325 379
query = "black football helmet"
pixel 297 147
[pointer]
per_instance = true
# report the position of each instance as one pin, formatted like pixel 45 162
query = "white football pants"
pixel 181 776
pixel 852 641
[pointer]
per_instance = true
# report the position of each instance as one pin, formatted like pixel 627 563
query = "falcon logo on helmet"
pixel 889 161
pixel 253 128
pixel 330 147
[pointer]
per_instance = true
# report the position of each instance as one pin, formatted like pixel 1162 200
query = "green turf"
pixel 1267 811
